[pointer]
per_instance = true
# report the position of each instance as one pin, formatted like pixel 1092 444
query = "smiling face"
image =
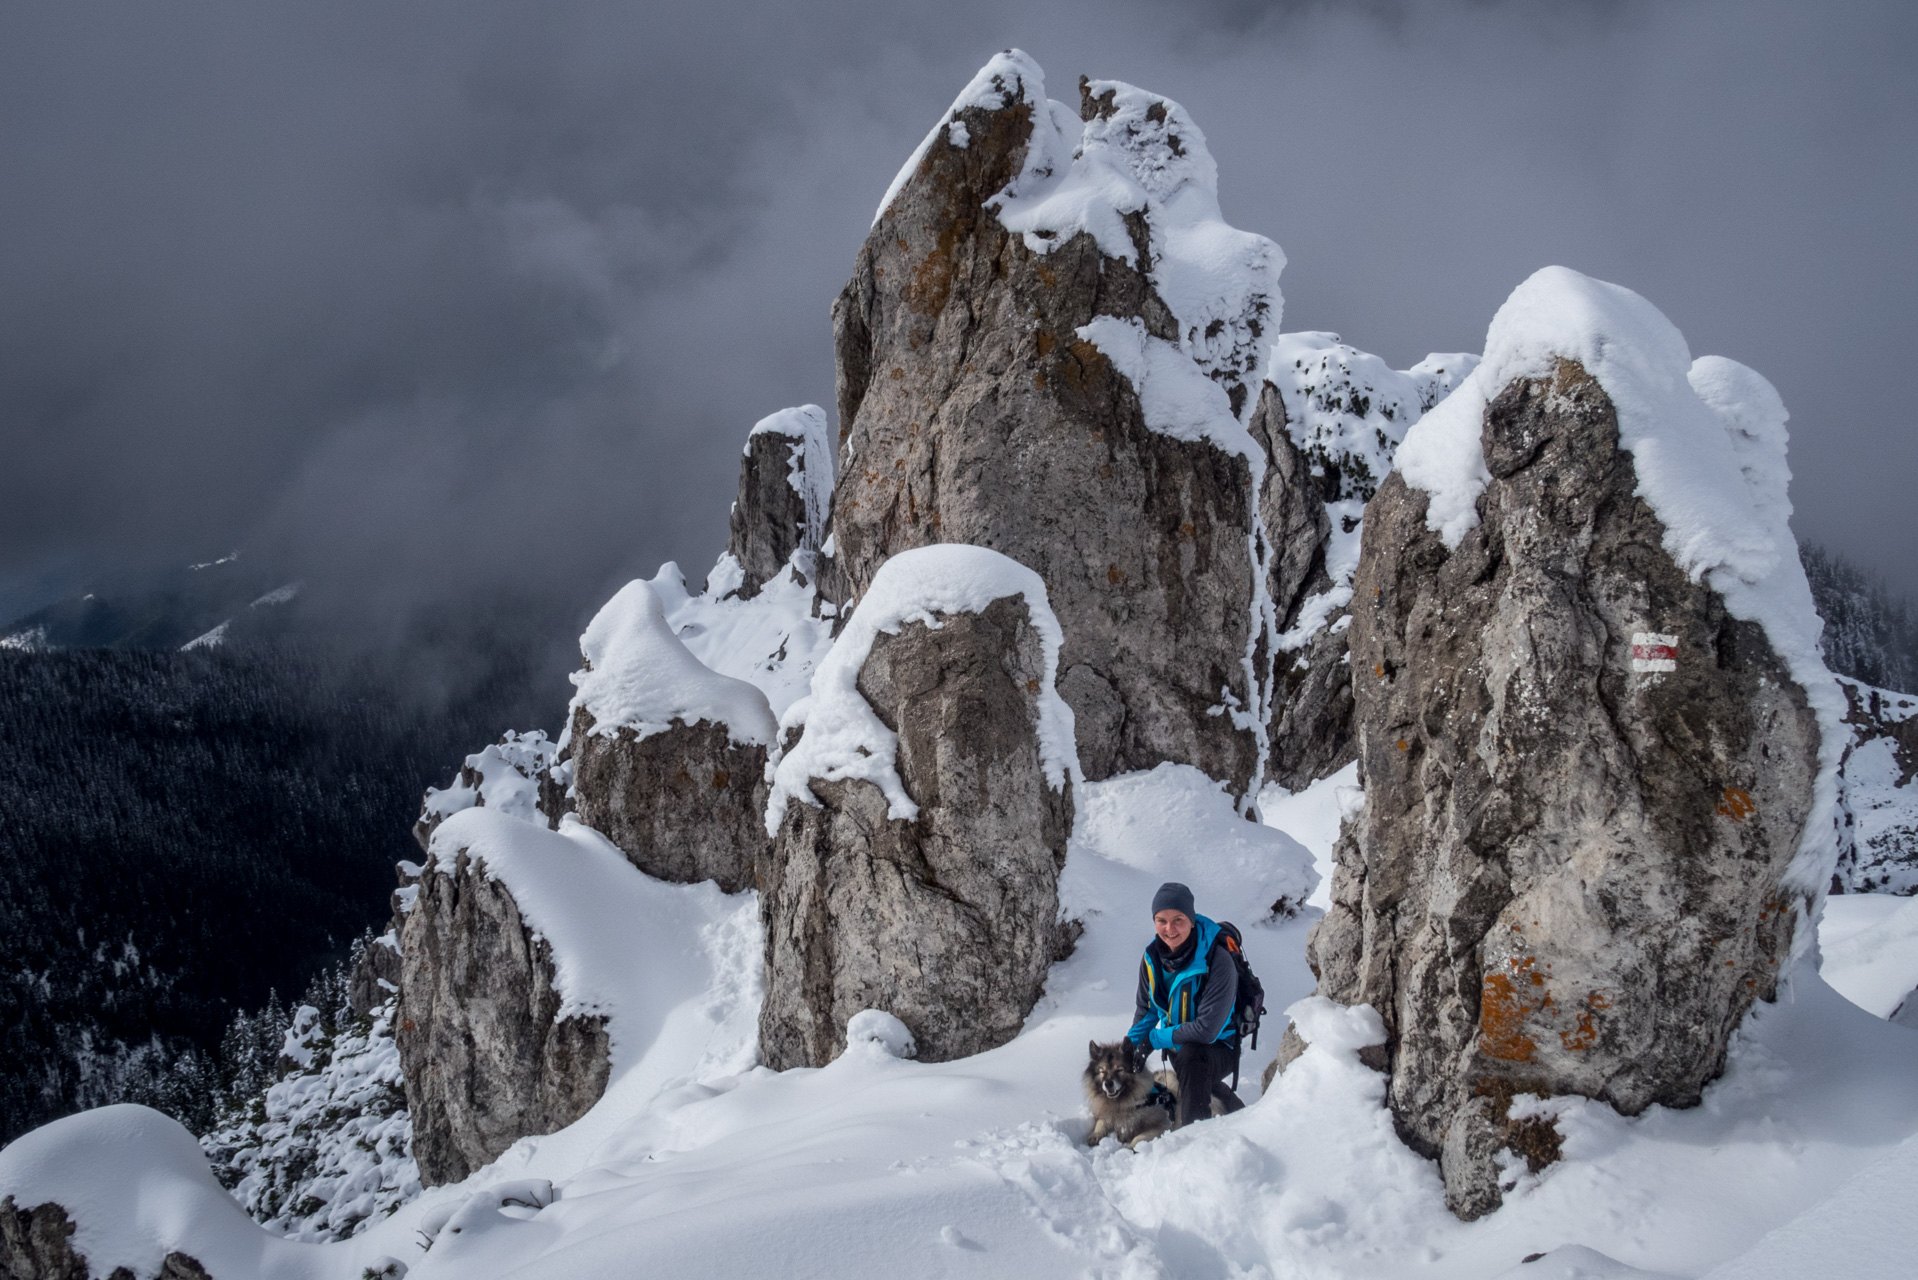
pixel 1173 928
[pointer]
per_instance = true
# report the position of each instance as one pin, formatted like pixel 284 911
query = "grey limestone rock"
pixel 1878 788
pixel 685 804
pixel 485 1062
pixel 376 973
pixel 971 411
pixel 948 921
pixel 37 1244
pixel 1566 877
pixel 1310 732
pixel 785 483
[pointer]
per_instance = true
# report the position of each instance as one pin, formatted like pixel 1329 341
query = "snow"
pixel 696 1160
pixel 137 1187
pixel 1879 803
pixel 1347 412
pixel 208 640
pixel 1344 408
pixel 640 676
pixel 279 595
pixel 812 462
pixel 1142 154
pixel 1175 823
pixel 575 889
pixel 1867 1228
pixel 1870 949
pixel 1708 443
pixel 329 1153
pixel 504 777
pixel 1312 817
pixel 771 641
pixel 26 640
pixel 1176 397
pixel 844 737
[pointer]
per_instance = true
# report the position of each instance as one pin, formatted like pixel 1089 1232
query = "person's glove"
pixel 1160 1038
pixel 1140 1051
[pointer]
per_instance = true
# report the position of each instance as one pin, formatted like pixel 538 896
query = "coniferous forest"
pixel 188 836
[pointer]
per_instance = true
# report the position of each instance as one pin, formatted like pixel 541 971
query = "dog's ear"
pixel 1094 1047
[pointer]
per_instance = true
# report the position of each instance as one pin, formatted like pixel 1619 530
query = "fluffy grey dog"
pixel 1119 1097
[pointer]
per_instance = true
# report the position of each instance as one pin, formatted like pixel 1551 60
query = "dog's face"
pixel 1110 1071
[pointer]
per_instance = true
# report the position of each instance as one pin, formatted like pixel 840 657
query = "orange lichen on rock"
pixel 1501 1019
pixel 1737 805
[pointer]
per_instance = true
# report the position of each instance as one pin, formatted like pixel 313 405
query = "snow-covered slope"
pixel 696 1160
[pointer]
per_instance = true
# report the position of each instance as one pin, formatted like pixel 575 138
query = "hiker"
pixel 1188 988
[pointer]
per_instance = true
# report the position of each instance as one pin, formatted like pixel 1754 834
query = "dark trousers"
pixel 1202 1069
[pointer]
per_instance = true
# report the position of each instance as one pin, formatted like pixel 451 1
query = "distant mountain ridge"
pixel 231 598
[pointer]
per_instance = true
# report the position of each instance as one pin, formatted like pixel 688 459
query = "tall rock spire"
pixel 1045 349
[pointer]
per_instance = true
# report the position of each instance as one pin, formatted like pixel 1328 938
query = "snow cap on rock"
pixel 1708 444
pixel 843 736
pixel 640 676
pixel 1010 76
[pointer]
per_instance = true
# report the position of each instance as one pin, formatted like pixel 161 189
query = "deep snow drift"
pixel 695 1159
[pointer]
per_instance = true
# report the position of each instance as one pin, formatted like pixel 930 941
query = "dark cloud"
pixel 447 302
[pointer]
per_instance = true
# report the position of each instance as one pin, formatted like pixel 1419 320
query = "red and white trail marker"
pixel 1654 651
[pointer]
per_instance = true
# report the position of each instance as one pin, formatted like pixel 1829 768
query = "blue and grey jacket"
pixel 1195 1001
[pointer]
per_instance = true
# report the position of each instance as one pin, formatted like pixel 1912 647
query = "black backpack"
pixel 1250 1006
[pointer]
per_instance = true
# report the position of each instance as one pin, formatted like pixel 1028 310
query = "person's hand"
pixel 1161 1038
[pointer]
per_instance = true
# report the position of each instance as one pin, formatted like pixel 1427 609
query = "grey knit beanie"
pixel 1173 896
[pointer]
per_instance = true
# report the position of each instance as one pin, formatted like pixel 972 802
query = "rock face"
pixel 1567 874
pixel 947 917
pixel 36 1244
pixel 1329 418
pixel 484 1060
pixel 667 756
pixel 1878 780
pixel 976 407
pixel 1310 733
pixel 785 487
pixel 684 805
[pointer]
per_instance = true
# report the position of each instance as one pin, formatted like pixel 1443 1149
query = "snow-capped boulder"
pixel 492 1047
pixel 121 1191
pixel 668 757
pixel 920 819
pixel 1597 742
pixel 785 489
pixel 1044 349
pixel 1878 819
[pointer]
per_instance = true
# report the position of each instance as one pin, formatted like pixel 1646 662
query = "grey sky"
pixel 461 299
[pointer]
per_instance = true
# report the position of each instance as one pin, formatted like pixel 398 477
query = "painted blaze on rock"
pixel 1567 874
pixel 972 410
